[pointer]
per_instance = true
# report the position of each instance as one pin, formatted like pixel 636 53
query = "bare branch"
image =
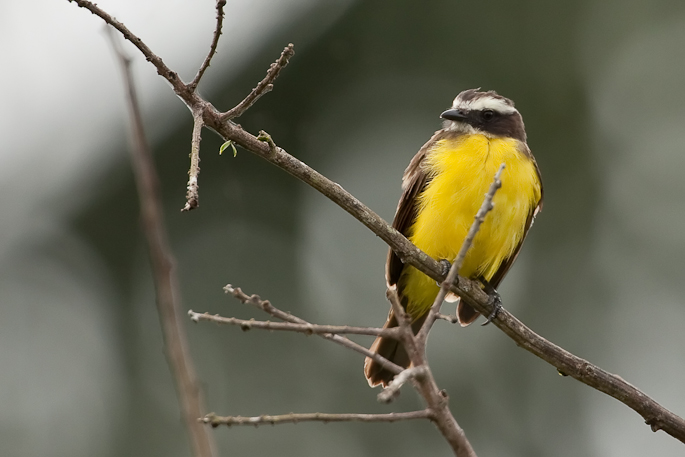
pixel 447 317
pixel 409 253
pixel 307 329
pixel 293 418
pixel 416 354
pixel 266 306
pixel 436 399
pixel 389 393
pixel 192 195
pixel 264 86
pixel 164 71
pixel 212 48
pixel 165 278
pixel 453 274
pixel 438 403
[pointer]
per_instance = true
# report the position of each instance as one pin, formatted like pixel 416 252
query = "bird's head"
pixel 485 113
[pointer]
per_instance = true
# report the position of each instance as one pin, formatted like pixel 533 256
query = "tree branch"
pixel 212 48
pixel 266 306
pixel 436 399
pixel 307 329
pixel 192 195
pixel 447 317
pixel 264 86
pixel 164 273
pixel 164 71
pixel 293 418
pixel 389 393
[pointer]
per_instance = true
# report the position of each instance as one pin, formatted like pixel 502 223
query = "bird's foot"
pixel 495 300
pixel 446 266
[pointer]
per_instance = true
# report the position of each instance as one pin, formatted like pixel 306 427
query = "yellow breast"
pixel 462 170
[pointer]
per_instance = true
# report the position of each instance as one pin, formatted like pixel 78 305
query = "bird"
pixel 442 189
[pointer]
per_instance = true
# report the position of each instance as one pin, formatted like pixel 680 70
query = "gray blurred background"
pixel 600 86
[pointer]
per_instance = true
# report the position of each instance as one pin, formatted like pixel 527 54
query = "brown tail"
pixel 466 314
pixel 392 350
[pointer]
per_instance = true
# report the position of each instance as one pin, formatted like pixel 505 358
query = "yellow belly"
pixel 462 171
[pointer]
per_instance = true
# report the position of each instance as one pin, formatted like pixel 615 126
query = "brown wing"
pixel 506 265
pixel 414 181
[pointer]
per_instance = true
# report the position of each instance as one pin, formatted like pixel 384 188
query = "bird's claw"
pixel 496 301
pixel 446 266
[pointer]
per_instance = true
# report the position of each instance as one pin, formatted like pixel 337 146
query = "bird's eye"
pixel 488 114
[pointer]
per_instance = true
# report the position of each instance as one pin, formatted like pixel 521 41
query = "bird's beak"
pixel 454 115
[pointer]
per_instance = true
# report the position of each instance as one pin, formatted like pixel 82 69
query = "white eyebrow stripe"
pixel 482 103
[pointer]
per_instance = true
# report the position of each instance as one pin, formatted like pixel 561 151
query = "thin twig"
pixel 434 397
pixel 307 329
pixel 264 86
pixel 164 71
pixel 293 418
pixel 266 306
pixel 192 194
pixel 453 274
pixel 389 393
pixel 164 273
pixel 407 338
pixel 447 317
pixel 212 48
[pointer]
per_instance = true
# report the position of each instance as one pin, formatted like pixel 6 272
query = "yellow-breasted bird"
pixel 442 189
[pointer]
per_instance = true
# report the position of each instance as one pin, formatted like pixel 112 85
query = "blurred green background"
pixel 600 87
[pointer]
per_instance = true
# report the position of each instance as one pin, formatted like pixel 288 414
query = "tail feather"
pixel 466 314
pixel 394 351
pixel 390 349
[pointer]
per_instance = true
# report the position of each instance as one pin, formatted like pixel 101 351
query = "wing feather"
pixel 414 181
